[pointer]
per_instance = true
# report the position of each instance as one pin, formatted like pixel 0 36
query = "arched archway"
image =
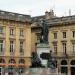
pixel 11 68
pixel 2 60
pixel 63 62
pixel 12 61
pixel 72 62
pixel 64 68
pixel 72 67
pixel 21 66
pixel 22 61
pixel 2 65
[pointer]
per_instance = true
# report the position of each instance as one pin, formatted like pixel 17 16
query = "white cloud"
pixel 38 7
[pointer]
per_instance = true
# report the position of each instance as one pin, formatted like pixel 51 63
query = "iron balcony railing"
pixel 2 35
pixel 2 53
pixel 12 53
pixel 22 54
pixel 62 54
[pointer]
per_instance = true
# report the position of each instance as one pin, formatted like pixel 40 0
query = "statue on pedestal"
pixel 36 62
pixel 44 32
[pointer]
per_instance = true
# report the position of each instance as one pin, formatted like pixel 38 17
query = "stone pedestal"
pixel 6 73
pixel 43 48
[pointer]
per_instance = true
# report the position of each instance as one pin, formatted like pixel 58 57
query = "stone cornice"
pixel 5 15
pixel 59 21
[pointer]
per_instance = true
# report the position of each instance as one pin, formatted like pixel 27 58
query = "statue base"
pixel 43 48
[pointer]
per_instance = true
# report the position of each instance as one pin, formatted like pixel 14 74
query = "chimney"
pixel 49 15
pixel 69 12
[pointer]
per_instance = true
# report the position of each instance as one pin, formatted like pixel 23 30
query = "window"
pixel 38 37
pixel 12 61
pixel 21 70
pixel 44 55
pixel 21 46
pixel 1 45
pixel 55 35
pixel 11 70
pixel 64 47
pixel 11 46
pixel 73 34
pixel 64 34
pixel 22 61
pixel 73 44
pixel 2 60
pixel 1 71
pixel 11 31
pixel 21 32
pixel 1 30
pixel 55 47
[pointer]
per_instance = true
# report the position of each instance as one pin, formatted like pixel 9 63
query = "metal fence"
pixel 41 71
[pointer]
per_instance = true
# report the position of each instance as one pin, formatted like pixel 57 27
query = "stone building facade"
pixel 19 38
pixel 61 40
pixel 15 43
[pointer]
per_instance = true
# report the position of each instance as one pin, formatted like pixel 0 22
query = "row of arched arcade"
pixel 67 67
pixel 12 67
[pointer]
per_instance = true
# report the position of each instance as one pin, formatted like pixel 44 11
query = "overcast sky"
pixel 38 7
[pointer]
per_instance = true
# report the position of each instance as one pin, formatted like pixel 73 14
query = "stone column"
pixel 69 70
pixel 58 66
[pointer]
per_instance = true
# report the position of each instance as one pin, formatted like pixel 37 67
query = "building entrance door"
pixel 0 70
pixel 64 70
pixel 11 71
pixel 72 70
pixel 73 67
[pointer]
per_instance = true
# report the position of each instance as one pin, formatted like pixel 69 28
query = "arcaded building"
pixel 15 43
pixel 61 40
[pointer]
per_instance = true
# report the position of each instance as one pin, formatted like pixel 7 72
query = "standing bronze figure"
pixel 44 32
pixel 50 63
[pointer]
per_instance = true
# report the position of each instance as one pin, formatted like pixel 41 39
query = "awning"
pixel 21 65
pixel 3 64
pixel 11 64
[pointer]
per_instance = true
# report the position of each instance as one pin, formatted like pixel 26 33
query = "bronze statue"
pixel 36 62
pixel 44 32
pixel 50 62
